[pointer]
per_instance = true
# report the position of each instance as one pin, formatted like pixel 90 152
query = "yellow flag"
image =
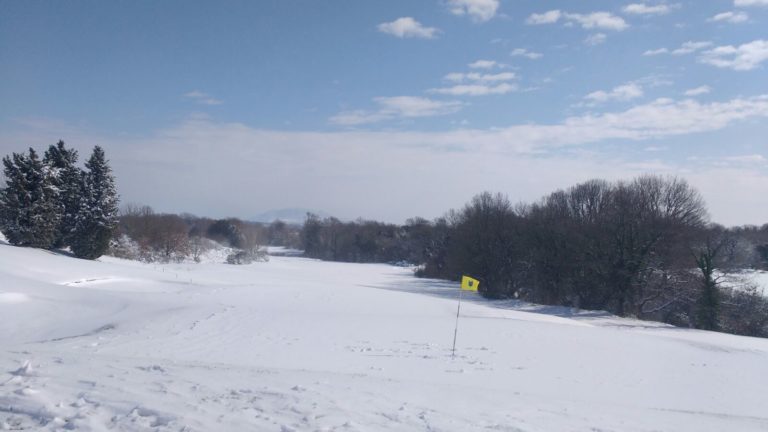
pixel 469 284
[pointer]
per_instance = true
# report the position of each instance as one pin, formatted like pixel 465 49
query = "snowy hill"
pixel 302 345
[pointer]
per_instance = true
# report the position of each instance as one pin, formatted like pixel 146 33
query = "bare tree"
pixel 198 246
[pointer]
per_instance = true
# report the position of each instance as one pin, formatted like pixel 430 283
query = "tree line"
pixel 142 234
pixel 643 248
pixel 52 203
pixel 364 240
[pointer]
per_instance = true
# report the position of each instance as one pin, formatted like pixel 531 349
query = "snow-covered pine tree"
pixel 97 215
pixel 29 209
pixel 68 179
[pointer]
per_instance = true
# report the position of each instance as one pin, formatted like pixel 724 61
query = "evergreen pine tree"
pixel 97 215
pixel 12 198
pixel 68 179
pixel 29 214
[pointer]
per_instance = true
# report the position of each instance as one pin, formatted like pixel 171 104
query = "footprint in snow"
pixel 154 418
pixel 152 368
pixel 26 391
pixel 25 370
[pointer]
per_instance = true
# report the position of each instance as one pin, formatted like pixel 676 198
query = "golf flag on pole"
pixel 469 284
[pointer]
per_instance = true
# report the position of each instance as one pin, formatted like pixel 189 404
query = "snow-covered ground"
pixel 747 278
pixel 301 345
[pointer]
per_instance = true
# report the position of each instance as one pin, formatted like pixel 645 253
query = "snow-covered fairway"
pixel 302 345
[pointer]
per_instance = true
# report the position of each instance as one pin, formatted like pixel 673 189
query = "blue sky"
pixel 393 109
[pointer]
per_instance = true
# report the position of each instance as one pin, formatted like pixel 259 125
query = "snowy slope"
pixel 749 278
pixel 302 345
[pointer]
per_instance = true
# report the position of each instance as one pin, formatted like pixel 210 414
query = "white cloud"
pixel 686 48
pixel 599 20
pixel 656 52
pixel 476 89
pixel 747 3
pixel 654 81
pixel 662 118
pixel 697 91
pixel 322 170
pixel 477 84
pixel 397 107
pixel 596 39
pixel 474 76
pixel 730 17
pixel 359 117
pixel 644 9
pixel 407 27
pixel 413 106
pixel 657 119
pixel 483 64
pixel 748 159
pixel 455 76
pixel 623 92
pixel 745 57
pixel 477 10
pixel 594 20
pixel 522 52
pixel 691 46
pixel 202 98
pixel 502 76
pixel 549 17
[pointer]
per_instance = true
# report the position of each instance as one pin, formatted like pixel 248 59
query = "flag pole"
pixel 456 328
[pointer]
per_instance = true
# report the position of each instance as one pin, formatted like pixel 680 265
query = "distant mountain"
pixel 287 215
